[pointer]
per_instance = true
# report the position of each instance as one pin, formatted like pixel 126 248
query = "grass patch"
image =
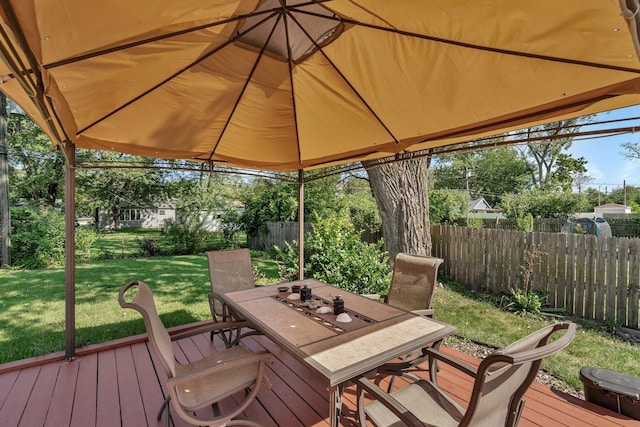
pixel 125 243
pixel 32 311
pixel 32 304
pixel 481 321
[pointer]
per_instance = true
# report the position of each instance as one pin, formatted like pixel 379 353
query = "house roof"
pixel 613 205
pixel 479 204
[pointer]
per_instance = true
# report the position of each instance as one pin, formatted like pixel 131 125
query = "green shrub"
pixel 524 222
pixel 335 254
pixel 85 238
pixel 526 303
pixel 475 222
pixel 37 237
pixel 231 226
pixel 186 234
pixel 148 247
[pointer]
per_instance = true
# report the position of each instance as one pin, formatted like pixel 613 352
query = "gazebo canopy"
pixel 295 84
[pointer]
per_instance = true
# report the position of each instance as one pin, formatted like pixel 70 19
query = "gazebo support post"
pixel 300 224
pixel 70 249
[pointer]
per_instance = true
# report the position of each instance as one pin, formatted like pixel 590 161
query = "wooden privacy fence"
pixel 591 277
pixel 276 234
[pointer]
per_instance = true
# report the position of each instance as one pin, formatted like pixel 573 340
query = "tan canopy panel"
pixel 297 84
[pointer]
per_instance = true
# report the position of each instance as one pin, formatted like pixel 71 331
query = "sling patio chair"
pixel 229 270
pixel 413 283
pixel 497 398
pixel 205 382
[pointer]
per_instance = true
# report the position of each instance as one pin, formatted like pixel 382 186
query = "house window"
pixel 130 215
pixel 160 211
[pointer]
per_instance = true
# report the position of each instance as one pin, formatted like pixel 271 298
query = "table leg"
pixel 335 404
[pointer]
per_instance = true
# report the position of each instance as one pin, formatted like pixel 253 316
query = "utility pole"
pixel 5 213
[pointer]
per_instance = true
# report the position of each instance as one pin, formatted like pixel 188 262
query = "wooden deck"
pixel 117 384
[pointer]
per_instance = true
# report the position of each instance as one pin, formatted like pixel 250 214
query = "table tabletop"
pixel 339 351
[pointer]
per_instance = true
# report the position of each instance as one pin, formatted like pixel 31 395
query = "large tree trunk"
pixel 401 191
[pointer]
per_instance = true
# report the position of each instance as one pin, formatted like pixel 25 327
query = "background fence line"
pixel 591 277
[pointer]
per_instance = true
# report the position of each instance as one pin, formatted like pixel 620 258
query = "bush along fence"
pixel 590 277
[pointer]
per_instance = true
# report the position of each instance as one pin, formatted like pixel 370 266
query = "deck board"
pixel 122 384
pixel 19 396
pixel 59 413
pixel 35 412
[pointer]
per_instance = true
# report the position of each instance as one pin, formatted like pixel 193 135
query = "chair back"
pixel 158 336
pixel 505 375
pixel 413 281
pixel 229 270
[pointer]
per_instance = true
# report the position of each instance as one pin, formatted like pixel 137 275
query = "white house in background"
pixel 611 208
pixel 156 217
pixel 131 217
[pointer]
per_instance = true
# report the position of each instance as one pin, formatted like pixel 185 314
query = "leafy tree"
pixel 595 197
pixel 566 171
pixel 632 195
pixel 36 171
pixel 201 191
pixel 359 201
pixel 273 200
pixel 542 204
pixel 119 188
pixel 268 200
pixel 547 156
pixel 486 173
pixel 448 205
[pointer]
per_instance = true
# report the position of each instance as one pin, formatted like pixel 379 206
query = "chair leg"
pixel 362 417
pixel 165 404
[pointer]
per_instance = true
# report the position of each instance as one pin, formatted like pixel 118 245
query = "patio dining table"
pixel 339 351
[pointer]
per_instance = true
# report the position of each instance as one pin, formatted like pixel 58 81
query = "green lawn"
pixel 32 311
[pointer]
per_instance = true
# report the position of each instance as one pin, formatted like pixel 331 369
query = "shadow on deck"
pixel 117 384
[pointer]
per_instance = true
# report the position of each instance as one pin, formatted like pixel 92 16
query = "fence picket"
pixel 581 254
pixel 623 278
pixel 600 282
pixel 571 274
pixel 560 299
pixel 611 275
pixel 591 262
pixel 634 283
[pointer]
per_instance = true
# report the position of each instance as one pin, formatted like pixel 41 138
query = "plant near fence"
pixel 334 253
pixel 526 301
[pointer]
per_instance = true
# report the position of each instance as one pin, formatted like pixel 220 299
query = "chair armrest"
pixel 255 357
pixel 426 312
pixel 449 360
pixel 388 401
pixel 212 327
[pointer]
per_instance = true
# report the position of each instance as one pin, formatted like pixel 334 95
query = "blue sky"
pixel 606 164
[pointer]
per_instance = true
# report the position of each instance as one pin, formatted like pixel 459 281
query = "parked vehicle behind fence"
pixel 595 226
